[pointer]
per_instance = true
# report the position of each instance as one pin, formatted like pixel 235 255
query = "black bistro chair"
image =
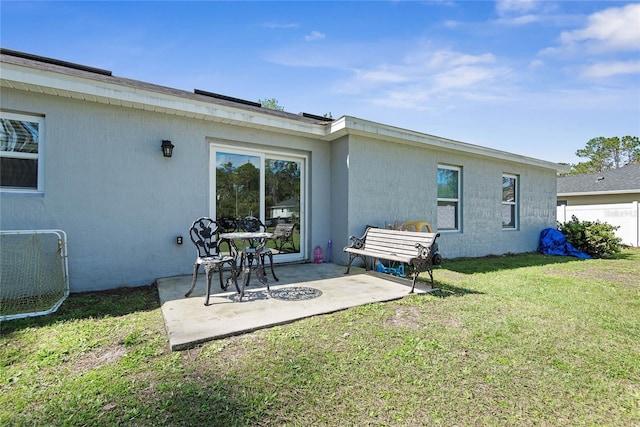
pixel 227 225
pixel 257 247
pixel 204 234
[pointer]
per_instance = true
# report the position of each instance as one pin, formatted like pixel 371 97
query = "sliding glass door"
pixel 265 185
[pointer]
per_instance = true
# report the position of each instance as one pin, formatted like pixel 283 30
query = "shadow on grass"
pixel 99 304
pixel 445 290
pixel 492 263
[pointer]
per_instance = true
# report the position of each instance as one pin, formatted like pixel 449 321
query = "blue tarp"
pixel 553 242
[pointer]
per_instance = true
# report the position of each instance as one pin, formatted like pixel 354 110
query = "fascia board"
pixel 111 93
pixel 347 125
pixel 599 193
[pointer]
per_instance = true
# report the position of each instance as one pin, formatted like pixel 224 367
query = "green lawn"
pixel 513 340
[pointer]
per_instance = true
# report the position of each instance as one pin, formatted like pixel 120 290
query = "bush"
pixel 595 238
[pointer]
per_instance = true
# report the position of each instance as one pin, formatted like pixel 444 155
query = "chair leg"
pixel 209 271
pixel 246 273
pixel 234 274
pixel 271 264
pixel 261 274
pixel 193 283
pixel 223 284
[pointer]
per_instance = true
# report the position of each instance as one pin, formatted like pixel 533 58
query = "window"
pixel 448 198
pixel 270 186
pixel 509 201
pixel 20 152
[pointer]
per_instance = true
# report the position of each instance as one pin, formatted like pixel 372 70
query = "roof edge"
pixel 356 126
pixel 25 73
pixel 599 193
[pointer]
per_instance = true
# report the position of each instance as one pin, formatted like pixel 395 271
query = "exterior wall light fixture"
pixel 167 148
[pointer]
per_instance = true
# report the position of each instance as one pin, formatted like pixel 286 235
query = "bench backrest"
pixel 283 230
pixel 402 243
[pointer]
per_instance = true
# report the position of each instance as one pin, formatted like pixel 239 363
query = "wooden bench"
pixel 417 249
pixel 283 234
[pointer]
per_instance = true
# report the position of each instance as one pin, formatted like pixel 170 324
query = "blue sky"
pixel 536 78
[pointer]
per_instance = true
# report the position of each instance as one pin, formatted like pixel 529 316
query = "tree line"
pixel 605 154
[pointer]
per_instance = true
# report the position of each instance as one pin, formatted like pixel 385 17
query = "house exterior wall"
pixel 339 203
pixel 122 203
pixel 390 181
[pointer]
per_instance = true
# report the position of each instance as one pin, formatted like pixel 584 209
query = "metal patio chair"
pixel 257 248
pixel 204 234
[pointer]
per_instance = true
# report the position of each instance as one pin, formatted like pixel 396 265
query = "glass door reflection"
pixel 266 187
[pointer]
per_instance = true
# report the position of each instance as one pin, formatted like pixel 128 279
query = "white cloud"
pixel 450 58
pixel 524 12
pixel 314 35
pixel 536 63
pixel 612 29
pixel 519 20
pixel 381 76
pixel 507 7
pixel 424 75
pixel 459 77
pixel 608 69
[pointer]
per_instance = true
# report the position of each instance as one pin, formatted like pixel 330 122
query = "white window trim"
pixel 458 200
pixel 17 155
pixel 515 203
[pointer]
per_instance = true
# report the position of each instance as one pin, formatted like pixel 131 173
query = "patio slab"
pixel 304 290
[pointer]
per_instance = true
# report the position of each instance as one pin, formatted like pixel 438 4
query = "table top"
pixel 246 235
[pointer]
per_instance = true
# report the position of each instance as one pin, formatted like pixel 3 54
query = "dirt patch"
pixel 100 357
pixel 408 317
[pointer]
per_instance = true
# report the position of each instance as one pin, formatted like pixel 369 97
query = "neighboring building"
pixel 611 196
pixel 286 211
pixel 81 152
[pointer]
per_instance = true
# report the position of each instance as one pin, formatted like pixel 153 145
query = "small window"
pixel 20 152
pixel 509 201
pixel 448 198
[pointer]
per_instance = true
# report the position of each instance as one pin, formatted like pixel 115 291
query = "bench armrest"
pixel 356 242
pixel 424 252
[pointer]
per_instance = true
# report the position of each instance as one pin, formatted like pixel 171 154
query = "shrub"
pixel 595 238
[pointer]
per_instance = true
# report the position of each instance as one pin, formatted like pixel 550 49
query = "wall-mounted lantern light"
pixel 167 148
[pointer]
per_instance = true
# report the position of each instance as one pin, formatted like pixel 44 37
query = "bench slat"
pixel 382 255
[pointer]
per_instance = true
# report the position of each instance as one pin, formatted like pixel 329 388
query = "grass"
pixel 511 340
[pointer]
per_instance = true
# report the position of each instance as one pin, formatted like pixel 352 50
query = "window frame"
pixel 223 146
pixel 457 201
pixel 39 156
pixel 515 203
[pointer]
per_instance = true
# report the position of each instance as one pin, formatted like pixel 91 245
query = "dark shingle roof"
pixel 623 179
pixel 97 74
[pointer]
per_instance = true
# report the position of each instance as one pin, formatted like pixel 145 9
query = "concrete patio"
pixel 304 290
